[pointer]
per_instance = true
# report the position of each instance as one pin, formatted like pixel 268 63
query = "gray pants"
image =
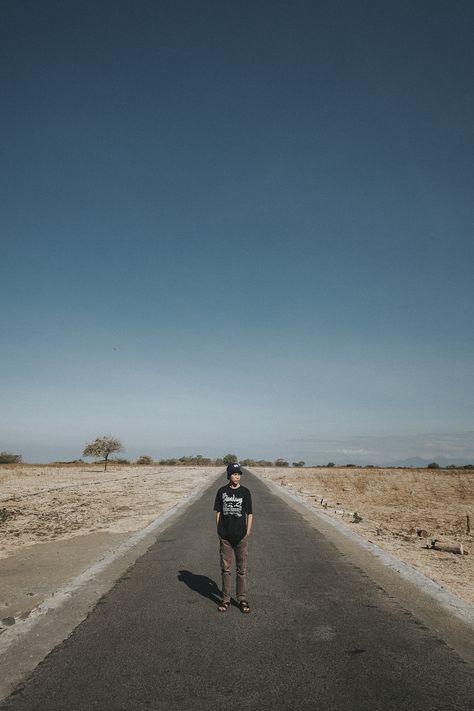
pixel 227 551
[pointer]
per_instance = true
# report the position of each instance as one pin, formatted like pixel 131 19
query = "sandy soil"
pixel 44 503
pixel 396 504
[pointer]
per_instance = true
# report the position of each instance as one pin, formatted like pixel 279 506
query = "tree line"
pixel 103 447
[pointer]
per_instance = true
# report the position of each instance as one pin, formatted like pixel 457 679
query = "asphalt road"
pixel 321 634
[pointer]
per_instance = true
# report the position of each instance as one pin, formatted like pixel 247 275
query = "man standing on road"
pixel 233 507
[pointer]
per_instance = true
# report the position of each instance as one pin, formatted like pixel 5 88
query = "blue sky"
pixel 238 227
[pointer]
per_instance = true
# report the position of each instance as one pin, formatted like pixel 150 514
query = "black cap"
pixel 233 469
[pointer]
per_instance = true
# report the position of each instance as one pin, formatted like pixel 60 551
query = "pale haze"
pixel 238 228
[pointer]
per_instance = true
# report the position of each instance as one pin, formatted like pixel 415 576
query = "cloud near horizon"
pixel 392 447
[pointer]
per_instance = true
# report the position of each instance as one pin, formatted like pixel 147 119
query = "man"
pixel 234 518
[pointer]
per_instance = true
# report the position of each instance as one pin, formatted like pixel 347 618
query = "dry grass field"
pixel 396 505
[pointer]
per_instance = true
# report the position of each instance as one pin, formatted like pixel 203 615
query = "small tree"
pixel 230 459
pixel 433 465
pixel 102 447
pixel 331 464
pixel 281 463
pixel 298 464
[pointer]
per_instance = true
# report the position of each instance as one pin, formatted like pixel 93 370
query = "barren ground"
pixel 394 504
pixel 46 503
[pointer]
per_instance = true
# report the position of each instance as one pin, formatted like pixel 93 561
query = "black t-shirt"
pixel 234 506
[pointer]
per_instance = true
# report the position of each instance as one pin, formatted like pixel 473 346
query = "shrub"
pixel 230 459
pixel 9 458
pixel 433 465
pixel 195 460
pixel 281 463
pixel 331 464
pixel 145 459
pixel 297 464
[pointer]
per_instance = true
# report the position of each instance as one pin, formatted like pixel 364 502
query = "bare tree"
pixel 102 447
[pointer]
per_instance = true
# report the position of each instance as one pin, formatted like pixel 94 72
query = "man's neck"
pixel 234 486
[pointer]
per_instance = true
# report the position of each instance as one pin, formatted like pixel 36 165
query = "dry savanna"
pixel 401 510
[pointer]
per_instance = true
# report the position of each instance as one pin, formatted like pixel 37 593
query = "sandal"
pixel 223 606
pixel 244 606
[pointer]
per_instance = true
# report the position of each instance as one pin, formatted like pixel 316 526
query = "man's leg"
pixel 226 567
pixel 241 557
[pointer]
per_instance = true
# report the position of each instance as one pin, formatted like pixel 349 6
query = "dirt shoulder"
pixel 396 506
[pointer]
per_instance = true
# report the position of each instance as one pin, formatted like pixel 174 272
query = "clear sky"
pixel 239 227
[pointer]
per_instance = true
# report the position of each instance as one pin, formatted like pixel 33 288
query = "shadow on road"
pixel 201 584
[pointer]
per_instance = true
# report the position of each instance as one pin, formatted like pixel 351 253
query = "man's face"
pixel 234 479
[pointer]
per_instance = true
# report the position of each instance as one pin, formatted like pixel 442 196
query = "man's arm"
pixel 218 507
pixel 249 523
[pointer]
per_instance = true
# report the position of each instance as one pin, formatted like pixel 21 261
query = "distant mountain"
pixel 421 462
